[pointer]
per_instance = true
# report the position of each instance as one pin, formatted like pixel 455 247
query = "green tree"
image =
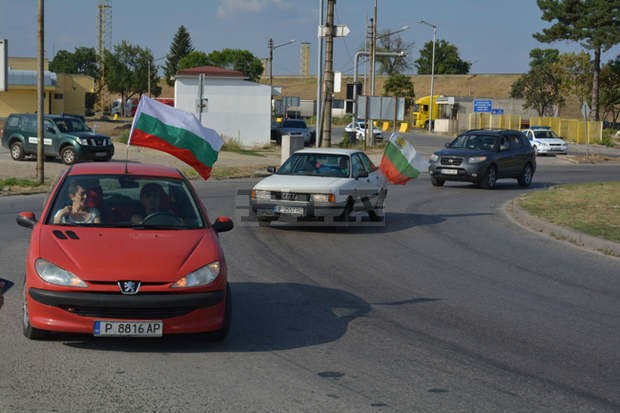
pixel 194 59
pixel 592 23
pixel 180 47
pixel 447 60
pixel 575 73
pixel 610 89
pixel 127 71
pixel 236 59
pixel 83 61
pixel 541 86
pixel 391 65
pixel 402 86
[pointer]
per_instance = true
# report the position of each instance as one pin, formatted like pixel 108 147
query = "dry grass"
pixel 592 208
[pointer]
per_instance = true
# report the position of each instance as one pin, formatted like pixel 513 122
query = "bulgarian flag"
pixel 400 161
pixel 179 133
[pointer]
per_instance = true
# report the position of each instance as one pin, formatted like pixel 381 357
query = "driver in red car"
pixel 154 199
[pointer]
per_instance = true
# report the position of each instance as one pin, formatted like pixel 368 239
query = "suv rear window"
pixel 294 124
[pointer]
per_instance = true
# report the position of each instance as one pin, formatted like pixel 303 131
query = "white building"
pixel 235 107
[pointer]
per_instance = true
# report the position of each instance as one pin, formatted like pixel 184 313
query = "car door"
pixel 370 181
pixel 514 156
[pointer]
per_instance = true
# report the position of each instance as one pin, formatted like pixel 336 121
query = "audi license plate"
pixel 287 210
pixel 449 171
pixel 128 328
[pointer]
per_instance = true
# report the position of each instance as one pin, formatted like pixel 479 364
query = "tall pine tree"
pixel 180 47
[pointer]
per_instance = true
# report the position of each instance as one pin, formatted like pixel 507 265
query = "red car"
pixel 125 249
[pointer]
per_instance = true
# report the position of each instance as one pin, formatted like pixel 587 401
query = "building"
pixel 64 93
pixel 238 109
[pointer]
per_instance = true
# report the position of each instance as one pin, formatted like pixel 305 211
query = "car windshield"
pixel 71 125
pixel 294 124
pixel 317 164
pixel 139 202
pixel 475 142
pixel 545 134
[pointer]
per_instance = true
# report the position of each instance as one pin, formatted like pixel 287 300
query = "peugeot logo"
pixel 129 287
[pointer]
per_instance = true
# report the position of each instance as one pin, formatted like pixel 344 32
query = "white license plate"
pixel 128 328
pixel 449 171
pixel 288 210
pixel 101 154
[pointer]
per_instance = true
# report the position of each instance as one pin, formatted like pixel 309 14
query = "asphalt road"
pixel 449 307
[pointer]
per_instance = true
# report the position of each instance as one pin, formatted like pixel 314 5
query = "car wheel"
pixel 264 221
pixel 437 181
pixel 526 176
pixel 489 179
pixel 17 151
pixel 68 155
pixel 222 333
pixel 28 330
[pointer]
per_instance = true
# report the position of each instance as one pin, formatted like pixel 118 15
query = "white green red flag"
pixel 179 133
pixel 400 161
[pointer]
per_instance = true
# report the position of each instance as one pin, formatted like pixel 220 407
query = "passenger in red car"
pixel 78 212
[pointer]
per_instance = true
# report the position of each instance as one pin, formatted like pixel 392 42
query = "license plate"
pixel 449 171
pixel 287 210
pixel 101 154
pixel 128 328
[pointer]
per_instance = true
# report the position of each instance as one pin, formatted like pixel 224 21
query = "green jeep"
pixel 66 136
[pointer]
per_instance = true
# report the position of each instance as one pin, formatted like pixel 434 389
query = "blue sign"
pixel 483 105
pixel 497 111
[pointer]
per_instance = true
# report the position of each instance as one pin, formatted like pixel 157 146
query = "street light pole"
pixel 270 59
pixel 430 110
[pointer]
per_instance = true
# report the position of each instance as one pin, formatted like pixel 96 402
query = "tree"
pixel 392 65
pixel 193 59
pixel 181 46
pixel 126 71
pixel 541 86
pixel 610 89
pixel 236 59
pixel 400 85
pixel 575 73
pixel 83 61
pixel 592 23
pixel 447 60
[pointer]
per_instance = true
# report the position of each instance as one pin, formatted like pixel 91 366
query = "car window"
pixel 474 141
pixel 30 124
pixel 12 122
pixel 294 124
pixel 514 141
pixel 366 162
pixel 357 167
pixel 316 164
pixel 122 201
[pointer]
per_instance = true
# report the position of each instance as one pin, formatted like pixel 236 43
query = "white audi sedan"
pixel 322 185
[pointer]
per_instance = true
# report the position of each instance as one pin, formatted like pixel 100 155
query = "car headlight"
pixel 434 158
pixel 53 274
pixel 201 276
pixel 476 159
pixel 322 197
pixel 82 141
pixel 260 194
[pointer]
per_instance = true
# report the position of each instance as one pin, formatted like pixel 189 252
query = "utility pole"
pixel 40 94
pixel 328 85
pixel 319 77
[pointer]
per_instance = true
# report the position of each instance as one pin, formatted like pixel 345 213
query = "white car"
pixel 314 184
pixel 545 141
pixel 360 130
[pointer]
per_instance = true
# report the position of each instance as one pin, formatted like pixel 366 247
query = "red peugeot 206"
pixel 125 249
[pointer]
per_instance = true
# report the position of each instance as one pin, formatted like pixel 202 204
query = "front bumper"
pixel 89 152
pixel 278 209
pixel 464 172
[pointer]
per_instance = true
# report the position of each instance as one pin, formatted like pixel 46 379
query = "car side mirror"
pixel 223 224
pixel 26 219
pixel 271 169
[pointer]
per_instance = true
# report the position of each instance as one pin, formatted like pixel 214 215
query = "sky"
pixel 495 36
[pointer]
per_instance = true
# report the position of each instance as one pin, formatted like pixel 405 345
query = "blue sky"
pixel 494 35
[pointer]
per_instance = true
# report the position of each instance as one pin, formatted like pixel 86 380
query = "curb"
pixel 521 217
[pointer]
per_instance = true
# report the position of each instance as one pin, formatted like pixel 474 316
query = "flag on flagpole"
pixel 179 133
pixel 400 161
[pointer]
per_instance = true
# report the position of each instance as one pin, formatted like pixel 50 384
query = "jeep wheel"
pixel 437 181
pixel 489 179
pixel 68 155
pixel 17 151
pixel 525 179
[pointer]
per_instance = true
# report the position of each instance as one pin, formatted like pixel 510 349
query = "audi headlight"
pixel 53 274
pixel 260 194
pixel 323 197
pixel 434 158
pixel 476 159
pixel 201 276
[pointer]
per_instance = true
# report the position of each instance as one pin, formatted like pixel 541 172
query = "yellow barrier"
pixel 385 126
pixel 375 123
pixel 579 131
pixel 404 126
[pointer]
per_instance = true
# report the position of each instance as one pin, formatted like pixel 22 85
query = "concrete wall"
pixel 237 109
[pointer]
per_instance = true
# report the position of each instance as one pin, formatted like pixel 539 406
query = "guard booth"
pixel 449 110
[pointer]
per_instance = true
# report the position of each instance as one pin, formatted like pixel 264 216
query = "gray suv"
pixel 66 137
pixel 483 156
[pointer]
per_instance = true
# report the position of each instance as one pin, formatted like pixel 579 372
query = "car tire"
pixel 437 181
pixel 525 179
pixel 17 151
pixel 68 155
pixel 29 331
pixel 222 333
pixel 490 178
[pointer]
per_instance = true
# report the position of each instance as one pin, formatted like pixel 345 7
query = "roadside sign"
pixel 483 105
pixel 585 110
pixel 497 111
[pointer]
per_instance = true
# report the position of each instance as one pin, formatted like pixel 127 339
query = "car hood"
pixel 87 135
pixel 462 152
pixel 105 254
pixel 297 183
pixel 555 141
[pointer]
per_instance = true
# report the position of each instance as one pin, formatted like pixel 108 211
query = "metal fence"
pixel 483 120
pixel 574 130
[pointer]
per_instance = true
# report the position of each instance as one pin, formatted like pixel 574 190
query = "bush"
pixel 123 137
